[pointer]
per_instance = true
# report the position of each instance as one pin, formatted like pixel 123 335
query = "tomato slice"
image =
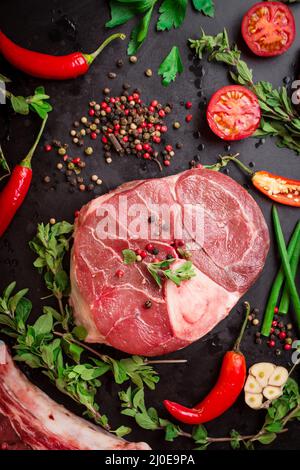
pixel 269 28
pixel 233 113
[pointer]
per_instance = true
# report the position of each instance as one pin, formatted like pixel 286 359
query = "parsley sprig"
pixel 171 66
pixel 162 270
pixel 171 15
pixel 280 118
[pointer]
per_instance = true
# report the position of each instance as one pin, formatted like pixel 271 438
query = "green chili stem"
pixel 286 265
pixel 91 57
pixel 237 344
pixel 27 160
pixel 294 262
pixel 277 285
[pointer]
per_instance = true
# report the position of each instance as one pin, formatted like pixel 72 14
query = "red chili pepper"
pixel 224 394
pixel 278 188
pixel 47 66
pixel 14 193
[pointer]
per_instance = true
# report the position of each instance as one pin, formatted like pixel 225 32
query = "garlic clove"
pixel 252 386
pixel 279 377
pixel 271 393
pixel 254 400
pixel 262 371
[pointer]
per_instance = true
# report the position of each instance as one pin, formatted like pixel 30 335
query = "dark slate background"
pixel 59 27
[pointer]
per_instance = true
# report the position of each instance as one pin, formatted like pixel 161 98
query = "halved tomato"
pixel 269 28
pixel 233 113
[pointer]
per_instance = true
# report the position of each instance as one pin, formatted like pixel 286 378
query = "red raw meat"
pixel 38 422
pixel 231 257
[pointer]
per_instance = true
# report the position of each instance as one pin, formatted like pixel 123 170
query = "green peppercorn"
pixel 89 151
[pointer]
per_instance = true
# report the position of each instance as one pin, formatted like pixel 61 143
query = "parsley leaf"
pixel 161 269
pixel 129 256
pixel 205 6
pixel 171 65
pixel 140 32
pixel 120 14
pixel 171 16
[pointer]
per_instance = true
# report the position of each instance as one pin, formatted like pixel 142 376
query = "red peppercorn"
pixel 117 127
pixel 178 243
pixel 276 310
pixel 138 251
pixel 156 260
pixel 167 162
pixel 157 127
pixel 146 147
pixel 154 103
pixel 94 135
pixel 149 247
pixel 287 347
pixel 65 158
pixel 109 131
pixel 282 335
pixel 271 343
pixel 76 214
pixel 108 109
pixel 104 105
pixel 199 165
pixel 130 98
pixel 156 139
pixel 76 160
pixel 140 130
pixel 125 138
pixel 120 273
pixel 48 148
pixel 161 113
pixel 168 148
pixel 149 125
pixel 151 109
pixel 91 112
pixel 126 112
pixel 163 129
pixel 112 100
pixel 117 99
pixel 271 331
pixel 143 254
pixel 104 140
pixel 274 323
pixel 143 125
pixel 139 147
pixel 189 117
pixel 135 96
pixel 146 156
pixel 188 104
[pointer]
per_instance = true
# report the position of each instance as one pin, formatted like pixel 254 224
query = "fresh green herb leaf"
pixel 172 14
pixel 182 273
pixel 205 6
pixel 171 66
pixel 120 14
pixel 140 32
pixel 19 104
pixel 129 256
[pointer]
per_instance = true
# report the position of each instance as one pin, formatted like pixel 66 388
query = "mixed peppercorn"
pixel 126 126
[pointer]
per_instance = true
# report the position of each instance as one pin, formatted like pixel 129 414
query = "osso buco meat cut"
pixel 121 305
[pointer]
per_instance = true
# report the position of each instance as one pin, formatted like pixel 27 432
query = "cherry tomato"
pixel 269 28
pixel 233 113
